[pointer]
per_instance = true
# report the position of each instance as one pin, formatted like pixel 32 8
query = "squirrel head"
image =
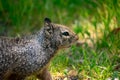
pixel 59 35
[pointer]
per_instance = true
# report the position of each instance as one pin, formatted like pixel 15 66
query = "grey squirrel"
pixel 31 54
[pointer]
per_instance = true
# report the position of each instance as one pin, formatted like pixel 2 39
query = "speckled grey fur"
pixel 28 55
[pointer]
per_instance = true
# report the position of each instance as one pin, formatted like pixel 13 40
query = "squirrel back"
pixel 30 54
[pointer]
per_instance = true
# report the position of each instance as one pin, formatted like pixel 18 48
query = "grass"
pixel 88 63
pixel 93 20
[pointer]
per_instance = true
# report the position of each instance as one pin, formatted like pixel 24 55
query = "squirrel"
pixel 31 54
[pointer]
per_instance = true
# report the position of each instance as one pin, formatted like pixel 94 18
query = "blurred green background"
pixel 97 22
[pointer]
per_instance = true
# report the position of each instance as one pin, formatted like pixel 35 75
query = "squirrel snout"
pixel 76 37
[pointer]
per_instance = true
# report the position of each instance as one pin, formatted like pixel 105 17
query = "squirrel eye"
pixel 65 33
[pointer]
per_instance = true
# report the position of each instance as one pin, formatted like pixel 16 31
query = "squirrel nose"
pixel 76 37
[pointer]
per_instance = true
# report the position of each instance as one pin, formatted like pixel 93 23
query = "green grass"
pixel 92 20
pixel 89 63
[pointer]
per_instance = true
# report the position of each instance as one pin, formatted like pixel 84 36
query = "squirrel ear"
pixel 47 21
pixel 48 27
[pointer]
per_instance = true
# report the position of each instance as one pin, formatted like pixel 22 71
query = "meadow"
pixel 97 23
